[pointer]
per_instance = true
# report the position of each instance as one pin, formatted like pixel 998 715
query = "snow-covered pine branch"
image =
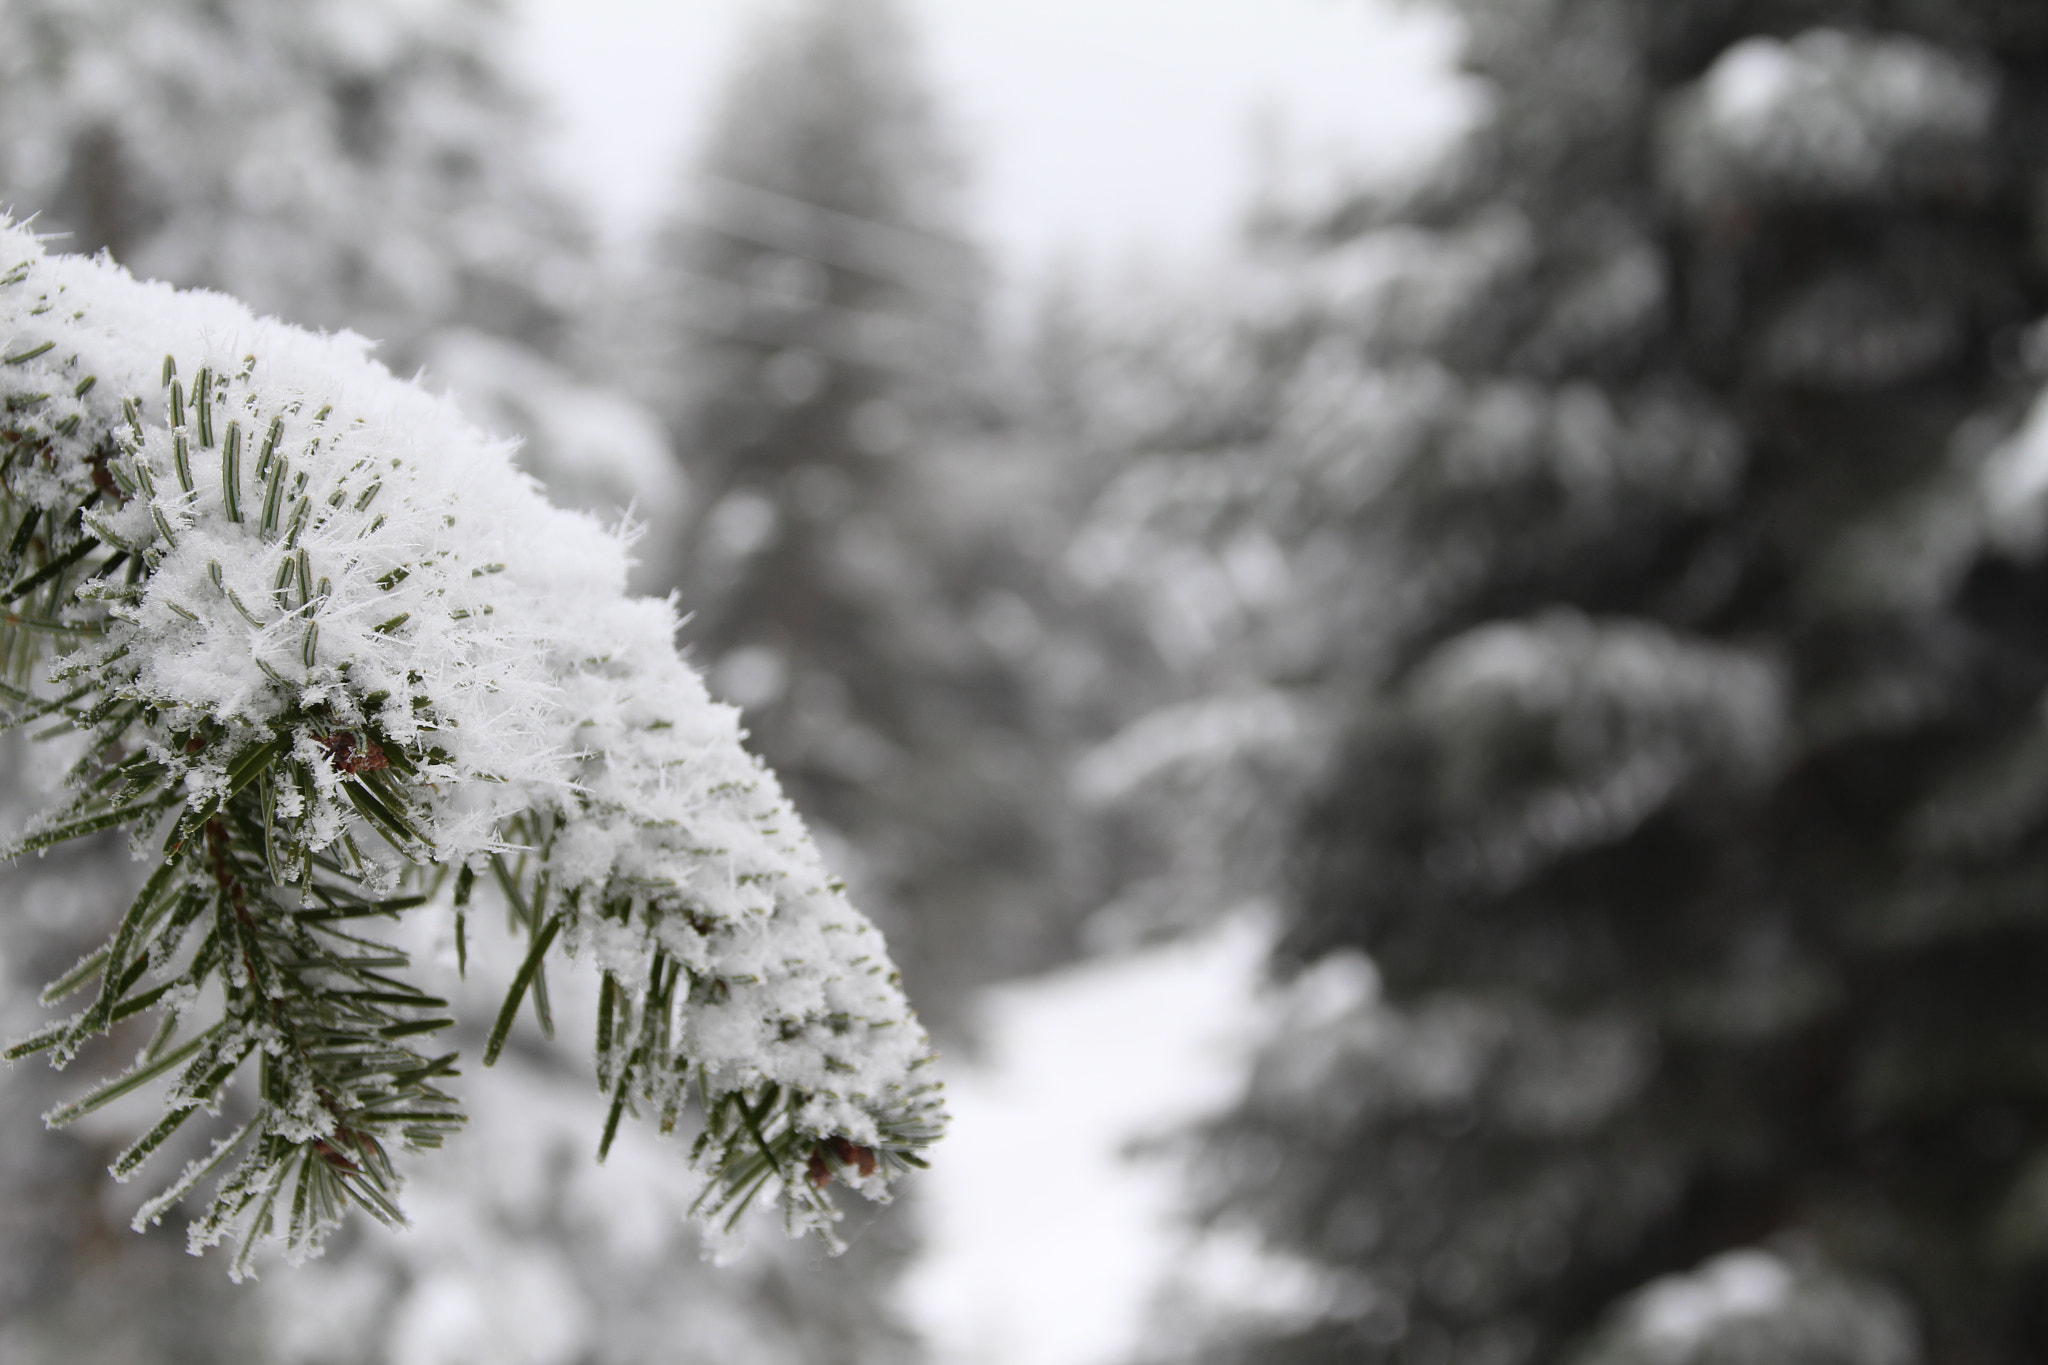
pixel 333 659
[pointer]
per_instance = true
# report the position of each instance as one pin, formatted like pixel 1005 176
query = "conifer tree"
pixel 249 147
pixel 1664 567
pixel 850 542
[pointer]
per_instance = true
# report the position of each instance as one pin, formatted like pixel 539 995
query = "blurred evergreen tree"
pixel 1671 914
pixel 859 560
pixel 249 147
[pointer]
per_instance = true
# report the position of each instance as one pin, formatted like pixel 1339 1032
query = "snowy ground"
pixel 1046 1239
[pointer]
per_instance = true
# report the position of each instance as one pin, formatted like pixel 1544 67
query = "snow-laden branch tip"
pixel 337 657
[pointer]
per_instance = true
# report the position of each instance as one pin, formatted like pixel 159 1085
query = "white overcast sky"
pixel 1096 131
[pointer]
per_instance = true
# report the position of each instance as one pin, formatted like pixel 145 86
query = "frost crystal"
pixel 332 647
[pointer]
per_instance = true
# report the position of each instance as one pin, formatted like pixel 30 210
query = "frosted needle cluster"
pixel 329 660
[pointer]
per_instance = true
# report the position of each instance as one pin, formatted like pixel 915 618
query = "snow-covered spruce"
pixel 335 659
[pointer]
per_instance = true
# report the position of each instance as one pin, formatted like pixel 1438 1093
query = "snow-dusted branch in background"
pixel 332 659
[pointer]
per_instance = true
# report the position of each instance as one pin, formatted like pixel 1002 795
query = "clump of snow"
pixel 1199 733
pixel 1679 1312
pixel 592 448
pixel 1846 331
pixel 1758 1305
pixel 2014 482
pixel 335 555
pixel 1830 115
pixel 1624 713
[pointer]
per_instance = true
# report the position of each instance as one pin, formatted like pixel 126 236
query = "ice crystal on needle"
pixel 337 660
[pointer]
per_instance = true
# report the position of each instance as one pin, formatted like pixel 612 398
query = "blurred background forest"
pixel 1485 743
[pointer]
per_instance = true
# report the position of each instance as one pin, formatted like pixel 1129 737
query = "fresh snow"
pixel 1680 1311
pixel 409 579
pixel 1078 1067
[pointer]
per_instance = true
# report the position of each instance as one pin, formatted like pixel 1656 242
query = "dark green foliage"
pixel 1690 805
pixel 275 830
pixel 309 1002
